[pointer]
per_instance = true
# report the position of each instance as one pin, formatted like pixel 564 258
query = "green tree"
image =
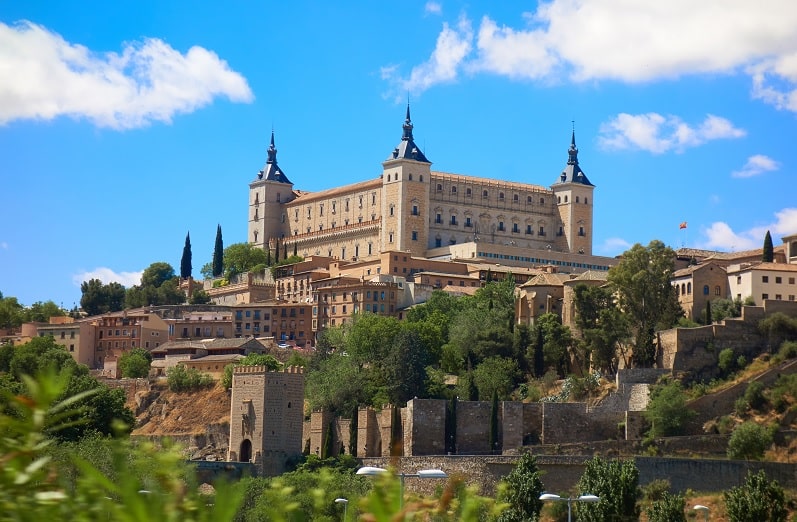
pixel 159 286
pixel 777 328
pixel 667 412
pixel 11 312
pixel 756 500
pixel 185 261
pixel 725 308
pixel 40 312
pixel 749 441
pixel 199 297
pixel 557 341
pixel 135 363
pixel 218 254
pixel 521 489
pixel 768 252
pixel 603 325
pixel 496 375
pixel 253 359
pixel 182 379
pixel 99 299
pixel 670 508
pixel 616 483
pixel 641 281
pixel 405 367
pixel 240 258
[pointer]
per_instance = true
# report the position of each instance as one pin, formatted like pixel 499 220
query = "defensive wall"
pixel 561 473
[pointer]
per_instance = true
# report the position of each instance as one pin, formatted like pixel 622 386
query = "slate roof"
pixel 272 171
pixel 572 173
pixel 407 149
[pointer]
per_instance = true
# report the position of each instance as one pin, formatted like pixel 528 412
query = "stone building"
pixel 266 417
pixel 411 208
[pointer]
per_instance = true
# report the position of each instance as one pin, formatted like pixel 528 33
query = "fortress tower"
pixel 267 195
pixel 266 416
pixel 573 193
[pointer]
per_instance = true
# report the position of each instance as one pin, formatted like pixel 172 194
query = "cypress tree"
pixel 353 430
pixel 396 442
pixel 494 424
pixel 218 254
pixel 277 251
pixel 329 441
pixel 284 251
pixel 294 250
pixel 185 262
pixel 451 426
pixel 709 317
pixel 268 252
pixel 539 355
pixel 768 254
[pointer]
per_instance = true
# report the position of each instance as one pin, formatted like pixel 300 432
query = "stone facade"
pixel 411 208
pixel 266 417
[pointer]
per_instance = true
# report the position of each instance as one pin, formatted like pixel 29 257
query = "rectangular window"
pixel 414 236
pixel 778 297
pixel 438 218
pixel 515 228
pixel 764 296
pixel 791 280
pixel 778 280
pixel 738 280
pixel 501 226
pixel 415 210
pixel 765 279
pixel 453 220
pixel 528 229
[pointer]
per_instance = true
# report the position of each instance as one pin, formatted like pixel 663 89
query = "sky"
pixel 126 125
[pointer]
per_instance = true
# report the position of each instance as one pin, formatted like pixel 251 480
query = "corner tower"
pixel 268 194
pixel 406 181
pixel 573 193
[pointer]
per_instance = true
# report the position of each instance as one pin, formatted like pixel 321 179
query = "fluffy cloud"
pixel 755 166
pixel 634 42
pixel 44 77
pixel 720 236
pixel 658 134
pixel 107 275
pixel 433 8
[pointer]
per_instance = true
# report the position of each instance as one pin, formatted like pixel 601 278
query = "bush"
pixel 784 392
pixel 669 509
pixel 754 395
pixel 181 379
pixel 788 350
pixel 727 361
pixel 655 490
pixel 135 363
pixel 757 499
pixel 749 441
pixel 667 412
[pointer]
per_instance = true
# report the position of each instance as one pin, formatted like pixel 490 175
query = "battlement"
pixel 264 370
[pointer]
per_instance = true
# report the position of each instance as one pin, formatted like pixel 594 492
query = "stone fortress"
pixel 411 208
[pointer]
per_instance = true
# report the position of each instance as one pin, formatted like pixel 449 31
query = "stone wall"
pixel 473 427
pixel 572 422
pixel 425 427
pixel 561 473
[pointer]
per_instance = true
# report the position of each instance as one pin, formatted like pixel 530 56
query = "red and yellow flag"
pixel 682 225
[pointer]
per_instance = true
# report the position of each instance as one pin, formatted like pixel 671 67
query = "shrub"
pixel 788 350
pixel 757 499
pixel 754 395
pixel 135 363
pixel 182 379
pixel 749 441
pixel 784 392
pixel 727 361
pixel 669 509
pixel 656 490
pixel 667 412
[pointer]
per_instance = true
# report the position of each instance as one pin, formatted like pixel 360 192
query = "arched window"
pixel 717 290
pixel 689 288
pixel 410 177
pixel 439 187
pixel 421 177
pixel 705 289
pixel 453 190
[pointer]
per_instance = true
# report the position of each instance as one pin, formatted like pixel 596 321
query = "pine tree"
pixel 218 254
pixel 768 254
pixel 284 251
pixel 185 262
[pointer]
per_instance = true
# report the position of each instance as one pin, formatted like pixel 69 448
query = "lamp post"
pixel 345 503
pixel 424 473
pixel 550 497
pixel 704 509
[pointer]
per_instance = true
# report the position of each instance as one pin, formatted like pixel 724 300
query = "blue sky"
pixel 124 125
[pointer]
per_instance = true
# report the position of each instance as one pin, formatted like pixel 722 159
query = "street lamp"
pixel 550 497
pixel 424 473
pixel 345 503
pixel 704 509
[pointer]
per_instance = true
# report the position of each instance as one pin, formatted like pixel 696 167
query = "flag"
pixel 682 225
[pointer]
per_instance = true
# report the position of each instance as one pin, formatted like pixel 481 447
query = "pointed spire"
pixel 407 136
pixel 272 150
pixel 272 172
pixel 572 153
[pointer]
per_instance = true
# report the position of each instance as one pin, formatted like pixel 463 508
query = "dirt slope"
pixel 162 412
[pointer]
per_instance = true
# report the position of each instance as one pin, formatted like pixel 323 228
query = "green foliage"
pixel 603 325
pixel 655 490
pixel 670 508
pixel 182 379
pixel 778 328
pixel 405 367
pixel 521 490
pixel 240 258
pixel 725 308
pixel 135 363
pixel 784 393
pixel 100 409
pixel 217 267
pixel 199 297
pixel 616 483
pixel 641 281
pixel 98 298
pixel 337 384
pixel 557 341
pixel 667 412
pixel 788 350
pixel 40 312
pixel 749 441
pixel 756 500
pixel 11 312
pixel 159 286
pixel 754 395
pixel 285 261
pixel 185 261
pixel 97 479
pixel 768 252
pixel 727 361
pixel 496 375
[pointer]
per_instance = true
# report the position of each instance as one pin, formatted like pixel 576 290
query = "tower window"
pixel 453 190
pixel 485 194
pixel 415 210
pixel 278 197
pixel 516 198
pixel 410 177
pixel 501 196
pixel 439 187
pixel 414 235
pixel 467 192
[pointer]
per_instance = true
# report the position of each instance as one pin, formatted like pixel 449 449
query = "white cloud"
pixel 658 134
pixel 755 166
pixel 433 8
pixel 613 246
pixel 44 77
pixel 107 275
pixel 720 236
pixel 442 66
pixel 643 41
pixel 3 245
